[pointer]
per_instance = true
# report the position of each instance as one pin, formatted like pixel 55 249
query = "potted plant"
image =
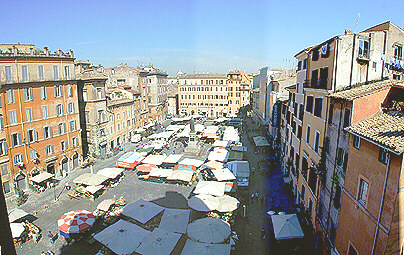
pixel 20 165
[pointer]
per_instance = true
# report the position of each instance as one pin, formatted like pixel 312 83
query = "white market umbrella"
pixel 192 248
pixel 159 242
pixel 203 203
pixel 209 230
pixel 142 210
pixel 227 203
pixel 286 226
pixel 210 188
pixel 223 174
pixel 122 237
pixel 16 229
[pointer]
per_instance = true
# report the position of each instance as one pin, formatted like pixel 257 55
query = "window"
pixel 316 141
pixel 299 65
pixel 111 130
pixel 28 94
pixel 101 116
pixel 7 72
pixel 70 108
pixel 18 159
pixel 24 71
pixel 327 145
pixel 75 141
pixel 3 169
pixel 128 123
pixel 28 114
pixel 351 250
pixel 10 96
pixel 43 93
pixel 47 132
pixel 69 90
pixel 119 126
pixel 44 112
pixel 72 124
pixel 315 54
pixel 49 150
pixel 398 52
pixel 58 91
pixel 33 155
pixel 85 95
pixel 13 117
pixel 55 73
pixel 3 148
pixel 15 139
pixel 363 191
pixel 123 125
pixel 309 104
pixel 308 134
pixel 61 128
pixel 40 73
pixel 314 78
pixel 99 93
pixel 356 142
pixel 322 83
pixel 299 132
pixel 331 113
pixel 383 155
pixel 32 136
pixel 363 48
pixel 63 145
pixel 337 197
pixel 318 107
pixel 1 124
pixel 118 116
pixel 301 112
pixel 67 72
pixel 59 110
pixel 6 187
pixel 347 118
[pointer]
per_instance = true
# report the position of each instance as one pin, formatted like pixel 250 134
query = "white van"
pixel 136 138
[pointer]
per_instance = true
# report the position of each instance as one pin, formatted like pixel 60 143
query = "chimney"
pixel 31 51
pixel 71 53
pixel 59 52
pixel 348 31
pixel 46 50
pixel 15 51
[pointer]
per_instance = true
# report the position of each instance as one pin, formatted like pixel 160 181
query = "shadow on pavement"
pixel 172 200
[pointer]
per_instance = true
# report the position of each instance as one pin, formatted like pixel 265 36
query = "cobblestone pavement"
pixel 49 211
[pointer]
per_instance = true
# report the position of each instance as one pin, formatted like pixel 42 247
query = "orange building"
pixel 371 215
pixel 40 118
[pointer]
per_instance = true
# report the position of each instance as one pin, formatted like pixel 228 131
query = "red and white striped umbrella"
pixel 76 221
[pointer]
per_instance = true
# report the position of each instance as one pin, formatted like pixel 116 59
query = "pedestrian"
pixel 252 198
pixel 263 235
pixel 50 235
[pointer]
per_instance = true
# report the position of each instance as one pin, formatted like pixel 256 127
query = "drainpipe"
pixel 381 205
pixel 352 61
pixel 336 64
pixel 368 64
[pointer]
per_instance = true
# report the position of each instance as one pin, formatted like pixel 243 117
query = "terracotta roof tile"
pixel 364 90
pixel 386 129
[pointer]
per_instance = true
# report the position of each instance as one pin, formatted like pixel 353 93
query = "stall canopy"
pixel 90 179
pixel 219 143
pixel 203 203
pixel 154 159
pixel 105 205
pixel 93 189
pixel 235 155
pixel 160 172
pixel 261 141
pixel 140 130
pixel 129 160
pixel 181 175
pixel 122 237
pixel 227 204
pixel 190 161
pixel 286 226
pixel 172 158
pixel 239 168
pixel 218 154
pixel 214 164
pixel 142 210
pixel 209 230
pixel 16 229
pixel 223 174
pixel 192 247
pixel 146 168
pixel 239 148
pixel 16 214
pixel 41 177
pixel 110 173
pixel 210 188
pixel 181 167
pixel 175 220
pixel 160 242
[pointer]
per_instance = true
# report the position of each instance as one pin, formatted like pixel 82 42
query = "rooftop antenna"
pixel 357 22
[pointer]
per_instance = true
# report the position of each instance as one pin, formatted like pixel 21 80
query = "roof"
pixel 362 91
pixel 385 129
pixel 90 179
pixel 205 76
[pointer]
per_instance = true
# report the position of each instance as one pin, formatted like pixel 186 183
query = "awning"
pixel 90 179
pixel 160 242
pixel 160 172
pixel 154 159
pixel 181 175
pixel 175 220
pixel 142 210
pixel 286 226
pixel 214 164
pixel 93 189
pixel 210 188
pixel 173 158
pixel 111 172
pixel 239 168
pixel 195 162
pixel 41 177
pixel 219 143
pixel 223 174
pixel 16 214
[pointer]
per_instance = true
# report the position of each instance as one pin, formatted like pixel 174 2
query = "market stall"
pixel 221 143
pixel 129 160
pixel 214 164
pixel 192 247
pixel 142 211
pixel 209 230
pixel 160 242
pixel 175 220
pixel 40 181
pixel 75 222
pixel 203 203
pixel 171 160
pixel 90 179
pixel 227 204
pixel 190 161
pixel 113 174
pixel 122 237
pixel 219 154
pixel 181 176
pixel 286 227
pixel 154 159
pixel 210 188
pixel 223 174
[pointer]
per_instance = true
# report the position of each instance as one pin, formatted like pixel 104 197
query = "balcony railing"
pixel 316 83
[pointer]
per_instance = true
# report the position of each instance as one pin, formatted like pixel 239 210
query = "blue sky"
pixel 200 36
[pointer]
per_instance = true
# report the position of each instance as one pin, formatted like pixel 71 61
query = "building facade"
pixel 157 90
pixel 40 119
